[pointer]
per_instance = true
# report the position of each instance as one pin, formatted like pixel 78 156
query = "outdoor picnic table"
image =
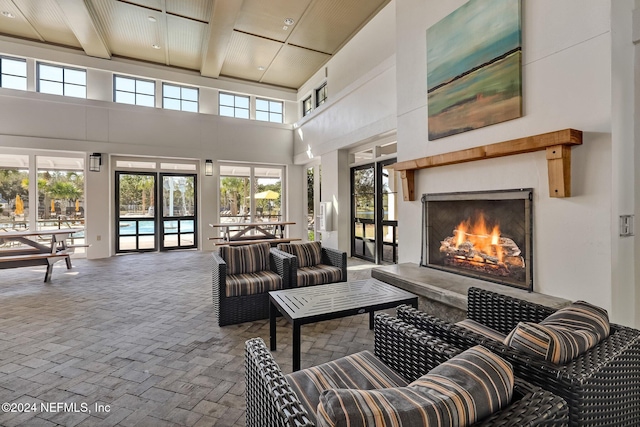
pixel 45 247
pixel 239 231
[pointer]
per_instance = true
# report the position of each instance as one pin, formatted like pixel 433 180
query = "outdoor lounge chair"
pixel 312 264
pixel 601 386
pixel 402 354
pixel 242 279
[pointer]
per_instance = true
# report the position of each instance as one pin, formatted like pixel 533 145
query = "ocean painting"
pixel 474 67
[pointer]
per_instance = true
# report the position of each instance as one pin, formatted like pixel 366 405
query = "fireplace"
pixel 486 235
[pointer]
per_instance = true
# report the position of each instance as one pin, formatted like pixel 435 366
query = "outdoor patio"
pixel 137 334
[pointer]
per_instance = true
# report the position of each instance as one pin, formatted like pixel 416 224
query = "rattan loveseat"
pixel 402 349
pixel 244 295
pixel 601 386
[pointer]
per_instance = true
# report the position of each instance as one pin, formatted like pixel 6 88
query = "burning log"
pixel 505 252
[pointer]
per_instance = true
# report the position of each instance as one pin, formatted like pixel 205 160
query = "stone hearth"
pixel 444 294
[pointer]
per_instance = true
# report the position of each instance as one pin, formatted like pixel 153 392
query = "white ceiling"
pixel 242 39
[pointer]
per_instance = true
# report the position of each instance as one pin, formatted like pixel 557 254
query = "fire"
pixel 477 236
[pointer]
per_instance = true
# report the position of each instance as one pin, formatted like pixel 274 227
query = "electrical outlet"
pixel 98 238
pixel 626 225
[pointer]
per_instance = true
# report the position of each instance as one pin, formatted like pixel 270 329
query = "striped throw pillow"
pixel 581 316
pixel 459 392
pixel 557 345
pixel 308 254
pixel 246 259
pixel 564 335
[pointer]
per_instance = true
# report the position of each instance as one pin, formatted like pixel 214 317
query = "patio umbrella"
pixel 19 205
pixel 77 205
pixel 53 206
pixel 269 194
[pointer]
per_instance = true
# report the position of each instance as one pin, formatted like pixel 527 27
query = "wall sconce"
pixel 208 167
pixel 95 160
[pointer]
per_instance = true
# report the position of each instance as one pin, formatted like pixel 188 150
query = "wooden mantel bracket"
pixel 557 144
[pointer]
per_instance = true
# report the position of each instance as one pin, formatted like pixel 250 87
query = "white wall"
pixel 624 293
pixel 577 73
pixel 361 83
pixel 636 140
pixel 567 83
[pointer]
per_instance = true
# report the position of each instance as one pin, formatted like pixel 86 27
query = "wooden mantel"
pixel 557 144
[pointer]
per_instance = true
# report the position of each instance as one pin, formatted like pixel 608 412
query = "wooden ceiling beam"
pixel 224 14
pixel 557 144
pixel 81 22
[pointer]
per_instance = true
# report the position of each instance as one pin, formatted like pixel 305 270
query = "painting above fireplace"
pixel 486 235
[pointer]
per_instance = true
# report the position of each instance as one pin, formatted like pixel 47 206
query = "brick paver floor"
pixel 133 341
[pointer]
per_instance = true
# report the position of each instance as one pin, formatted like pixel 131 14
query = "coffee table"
pixel 335 300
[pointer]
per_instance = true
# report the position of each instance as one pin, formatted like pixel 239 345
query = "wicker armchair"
pixel 331 268
pixel 271 400
pixel 244 308
pixel 601 386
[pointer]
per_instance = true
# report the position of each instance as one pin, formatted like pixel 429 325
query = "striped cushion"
pixel 459 392
pixel 564 335
pixel 318 274
pixel 247 258
pixel 581 316
pixel 308 254
pixel 362 371
pixel 557 345
pixel 481 329
pixel 252 283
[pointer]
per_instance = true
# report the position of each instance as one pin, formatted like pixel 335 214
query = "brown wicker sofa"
pixel 400 349
pixel 242 277
pixel 601 386
pixel 312 264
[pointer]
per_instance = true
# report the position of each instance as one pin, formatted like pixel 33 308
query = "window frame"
pixel 135 93
pixel 306 111
pixel 2 73
pixel 235 109
pixel 181 99
pixel 269 112
pixel 64 84
pixel 322 89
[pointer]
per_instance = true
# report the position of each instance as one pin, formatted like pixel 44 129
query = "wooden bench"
pixel 28 260
pixel 273 242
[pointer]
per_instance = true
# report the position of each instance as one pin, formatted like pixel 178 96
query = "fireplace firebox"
pixel 486 235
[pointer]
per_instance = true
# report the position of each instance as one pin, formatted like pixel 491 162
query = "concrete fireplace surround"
pixel 444 294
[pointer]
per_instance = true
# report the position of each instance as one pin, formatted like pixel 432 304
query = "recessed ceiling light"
pixel 261 68
pixel 289 21
pixel 152 19
pixel 8 14
pixel 155 46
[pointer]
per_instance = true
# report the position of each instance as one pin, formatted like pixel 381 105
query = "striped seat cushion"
pixel 481 329
pixel 318 274
pixel 564 335
pixel 362 371
pixel 247 258
pixel 459 392
pixel 308 254
pixel 252 283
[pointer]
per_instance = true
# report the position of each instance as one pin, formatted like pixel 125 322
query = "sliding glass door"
pixel 363 196
pixel 374 221
pixel 155 211
pixel 177 230
pixel 136 215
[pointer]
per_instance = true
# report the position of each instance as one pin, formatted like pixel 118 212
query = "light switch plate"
pixel 626 225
